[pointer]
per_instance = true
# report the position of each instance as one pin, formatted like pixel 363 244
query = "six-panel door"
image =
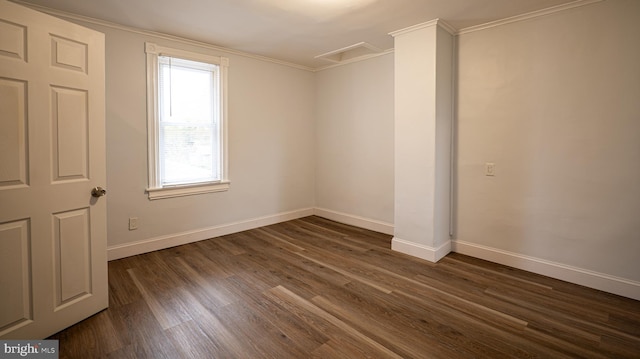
pixel 53 266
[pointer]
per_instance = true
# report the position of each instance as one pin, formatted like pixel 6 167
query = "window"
pixel 186 95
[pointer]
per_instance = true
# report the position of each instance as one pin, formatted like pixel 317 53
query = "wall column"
pixel 423 122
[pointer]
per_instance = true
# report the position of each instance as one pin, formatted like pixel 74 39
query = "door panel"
pixel 13 135
pixel 12 40
pixel 72 256
pixel 68 54
pixel 15 247
pixel 53 268
pixel 69 137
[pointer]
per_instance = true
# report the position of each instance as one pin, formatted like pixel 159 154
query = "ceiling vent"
pixel 361 49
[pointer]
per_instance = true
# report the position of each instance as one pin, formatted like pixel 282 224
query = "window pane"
pixel 186 94
pixel 189 141
pixel 187 154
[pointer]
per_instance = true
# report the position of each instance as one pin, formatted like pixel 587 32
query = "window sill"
pixel 186 190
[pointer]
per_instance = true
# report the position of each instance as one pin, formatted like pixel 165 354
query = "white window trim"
pixel 155 189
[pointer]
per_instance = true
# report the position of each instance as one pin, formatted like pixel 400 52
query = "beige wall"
pixel 554 102
pixel 354 135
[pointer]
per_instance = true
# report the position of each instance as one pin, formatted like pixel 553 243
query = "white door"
pixel 53 263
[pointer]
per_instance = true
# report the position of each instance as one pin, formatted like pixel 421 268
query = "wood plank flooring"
pixel 313 288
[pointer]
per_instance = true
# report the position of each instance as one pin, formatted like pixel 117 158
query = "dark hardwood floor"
pixel 313 288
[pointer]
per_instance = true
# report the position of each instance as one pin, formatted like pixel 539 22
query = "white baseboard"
pixel 587 278
pixel 172 240
pixel 421 251
pixel 366 223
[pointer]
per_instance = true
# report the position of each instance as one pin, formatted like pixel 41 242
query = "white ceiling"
pixel 293 30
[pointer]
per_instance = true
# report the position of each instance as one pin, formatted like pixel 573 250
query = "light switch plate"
pixel 133 223
pixel 489 169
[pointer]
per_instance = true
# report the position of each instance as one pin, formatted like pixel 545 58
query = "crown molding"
pixel 160 35
pixel 436 22
pixel 447 27
pixel 527 16
pixel 414 28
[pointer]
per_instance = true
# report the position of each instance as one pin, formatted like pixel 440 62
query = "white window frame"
pixel 155 189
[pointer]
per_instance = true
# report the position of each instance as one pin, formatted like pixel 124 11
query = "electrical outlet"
pixel 489 169
pixel 133 223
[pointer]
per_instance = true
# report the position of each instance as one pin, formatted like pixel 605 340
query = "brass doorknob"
pixel 98 192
